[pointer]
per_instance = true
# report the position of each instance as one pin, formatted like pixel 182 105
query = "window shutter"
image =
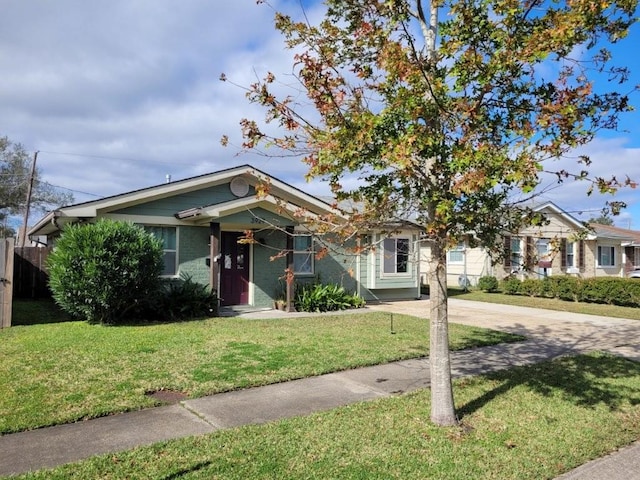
pixel 529 253
pixel 507 251
pixel 563 252
pixel 581 254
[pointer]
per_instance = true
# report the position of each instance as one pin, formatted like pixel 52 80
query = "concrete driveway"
pixel 572 331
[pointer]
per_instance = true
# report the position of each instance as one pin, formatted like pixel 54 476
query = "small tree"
pixel 449 122
pixel 99 271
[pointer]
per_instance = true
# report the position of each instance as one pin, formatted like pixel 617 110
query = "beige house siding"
pixel 595 270
pixel 475 264
pixel 561 231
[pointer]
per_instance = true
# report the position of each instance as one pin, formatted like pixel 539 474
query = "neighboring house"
pixel 564 246
pixel 206 217
pixel 615 245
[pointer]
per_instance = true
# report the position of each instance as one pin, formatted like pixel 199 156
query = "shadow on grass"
pixel 197 467
pixel 584 380
pixel 37 312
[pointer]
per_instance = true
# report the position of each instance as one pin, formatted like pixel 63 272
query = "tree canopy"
pixel 603 219
pixel 15 172
pixel 447 112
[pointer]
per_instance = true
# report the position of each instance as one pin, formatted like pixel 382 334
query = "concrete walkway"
pixel 549 334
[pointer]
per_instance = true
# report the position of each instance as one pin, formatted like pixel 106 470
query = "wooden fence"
pixel 6 281
pixel 30 272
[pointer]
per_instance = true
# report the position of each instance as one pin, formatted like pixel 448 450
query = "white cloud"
pixel 118 94
pixel 610 157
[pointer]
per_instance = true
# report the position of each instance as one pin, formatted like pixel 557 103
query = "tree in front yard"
pixel 100 271
pixel 446 121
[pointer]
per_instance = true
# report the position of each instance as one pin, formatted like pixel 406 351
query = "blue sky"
pixel 116 95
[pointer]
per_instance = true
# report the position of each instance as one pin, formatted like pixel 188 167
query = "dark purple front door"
pixel 234 270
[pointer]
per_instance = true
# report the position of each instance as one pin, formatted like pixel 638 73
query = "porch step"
pixel 237 310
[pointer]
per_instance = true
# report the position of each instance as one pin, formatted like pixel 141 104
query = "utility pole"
pixel 26 210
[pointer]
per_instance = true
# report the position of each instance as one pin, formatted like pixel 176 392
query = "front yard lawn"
pixel 530 422
pixel 615 311
pixel 62 372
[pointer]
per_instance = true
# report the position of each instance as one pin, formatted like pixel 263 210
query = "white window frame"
pixel 460 251
pixel 570 254
pixel 636 257
pixel 612 253
pixel 515 256
pixel 389 256
pixel 165 251
pixel 308 252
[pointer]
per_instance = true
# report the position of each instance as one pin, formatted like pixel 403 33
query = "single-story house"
pixel 564 246
pixel 203 222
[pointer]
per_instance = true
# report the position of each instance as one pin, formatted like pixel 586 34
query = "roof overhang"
pixel 279 197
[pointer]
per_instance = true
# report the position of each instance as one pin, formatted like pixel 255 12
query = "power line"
pixel 104 157
pixel 72 190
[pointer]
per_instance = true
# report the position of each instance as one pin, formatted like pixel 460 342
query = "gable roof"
pixel 569 219
pixel 625 236
pixel 278 192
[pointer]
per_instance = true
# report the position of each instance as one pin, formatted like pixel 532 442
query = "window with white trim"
pixel 606 256
pixel 455 255
pixel 636 257
pixel 303 255
pixel 168 237
pixel 395 256
pixel 516 254
pixel 570 258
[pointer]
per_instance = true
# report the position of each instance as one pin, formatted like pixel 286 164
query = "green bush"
pixel 510 286
pixel 609 290
pixel 181 299
pixel 318 297
pixel 488 284
pixel 100 271
pixel 592 291
pixel 531 287
pixel 566 287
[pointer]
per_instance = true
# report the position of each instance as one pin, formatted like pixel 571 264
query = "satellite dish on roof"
pixel 239 187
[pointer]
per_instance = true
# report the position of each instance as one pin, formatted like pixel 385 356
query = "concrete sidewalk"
pixel 550 334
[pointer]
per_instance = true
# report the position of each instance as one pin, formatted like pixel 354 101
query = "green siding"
pixel 382 295
pixel 167 207
pixel 267 272
pixel 339 267
pixel 260 218
pixel 390 287
pixel 193 249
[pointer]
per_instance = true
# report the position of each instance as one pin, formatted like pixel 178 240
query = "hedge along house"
pixel 204 223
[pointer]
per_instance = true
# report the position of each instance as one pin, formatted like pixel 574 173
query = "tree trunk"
pixel 442 406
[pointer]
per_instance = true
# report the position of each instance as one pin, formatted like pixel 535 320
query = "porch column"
pixel 289 284
pixel 214 252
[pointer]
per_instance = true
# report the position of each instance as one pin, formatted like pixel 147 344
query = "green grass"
pixel 36 312
pixel 549 304
pixel 62 372
pixel 526 423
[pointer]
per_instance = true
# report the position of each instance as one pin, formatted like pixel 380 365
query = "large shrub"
pixel 99 271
